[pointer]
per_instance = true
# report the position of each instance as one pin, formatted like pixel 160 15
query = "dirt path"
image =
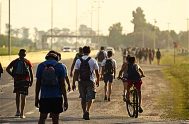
pixel 102 112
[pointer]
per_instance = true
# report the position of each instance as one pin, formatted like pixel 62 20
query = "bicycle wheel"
pixel 131 105
pixel 135 94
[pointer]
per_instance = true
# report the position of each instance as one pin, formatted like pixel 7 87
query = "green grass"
pixel 176 100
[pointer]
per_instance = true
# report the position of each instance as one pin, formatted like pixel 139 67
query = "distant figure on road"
pixel 50 84
pixel 1 70
pixel 85 70
pixel 77 56
pixel 158 56
pixel 101 55
pixel 21 70
pixel 108 74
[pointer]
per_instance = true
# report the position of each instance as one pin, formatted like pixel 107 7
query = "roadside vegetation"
pixel 175 101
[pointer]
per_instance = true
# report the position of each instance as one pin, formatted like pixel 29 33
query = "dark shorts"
pixel 21 87
pixel 108 78
pixel 51 105
pixel 137 84
pixel 87 90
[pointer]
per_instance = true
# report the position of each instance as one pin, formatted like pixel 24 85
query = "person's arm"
pixel 63 88
pixel 1 68
pixel 68 83
pixel 75 78
pixel 37 89
pixel 97 76
pixel 122 70
pixel 31 75
pixel 141 71
pixel 115 69
pixel 8 69
pixel 72 66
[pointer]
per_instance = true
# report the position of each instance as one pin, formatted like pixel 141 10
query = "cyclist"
pixel 123 73
pixel 135 73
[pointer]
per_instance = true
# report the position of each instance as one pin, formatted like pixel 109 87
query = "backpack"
pixel 84 71
pixel 20 68
pixel 101 56
pixel 132 72
pixel 109 67
pixel 49 76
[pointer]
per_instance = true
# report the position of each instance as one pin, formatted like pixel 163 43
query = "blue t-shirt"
pixel 51 92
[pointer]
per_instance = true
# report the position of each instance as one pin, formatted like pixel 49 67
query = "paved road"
pixel 113 112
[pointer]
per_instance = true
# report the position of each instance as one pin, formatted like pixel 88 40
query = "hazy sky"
pixel 37 13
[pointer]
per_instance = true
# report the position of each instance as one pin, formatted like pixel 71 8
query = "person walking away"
pixel 1 70
pixel 85 70
pixel 101 55
pixel 151 56
pixel 123 74
pixel 108 74
pixel 135 73
pixel 21 71
pixel 77 56
pixel 51 85
pixel 158 56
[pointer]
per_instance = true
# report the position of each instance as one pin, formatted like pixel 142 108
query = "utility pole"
pixel 188 31
pixel 155 33
pixel 168 37
pixel 9 34
pixel 51 24
pixel 76 19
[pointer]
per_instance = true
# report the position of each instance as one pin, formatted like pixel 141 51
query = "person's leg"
pixel 17 104
pixel 23 101
pixel 105 90
pixel 109 90
pixel 55 118
pixel 42 118
pixel 83 105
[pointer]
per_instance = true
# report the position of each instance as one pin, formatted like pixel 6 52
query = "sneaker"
pixel 86 116
pixel 22 116
pixel 105 98
pixel 17 114
pixel 140 110
pixel 108 99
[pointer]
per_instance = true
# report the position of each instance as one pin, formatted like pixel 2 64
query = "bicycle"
pixel 132 104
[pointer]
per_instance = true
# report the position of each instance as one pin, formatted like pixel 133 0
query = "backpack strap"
pixel 85 60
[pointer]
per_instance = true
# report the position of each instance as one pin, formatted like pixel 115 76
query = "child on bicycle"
pixel 135 73
pixel 123 74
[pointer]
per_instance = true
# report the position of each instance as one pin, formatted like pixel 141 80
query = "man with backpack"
pixel 21 70
pixel 51 86
pixel 101 55
pixel 108 74
pixel 85 70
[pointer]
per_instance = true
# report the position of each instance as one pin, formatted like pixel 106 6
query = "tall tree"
pixel 25 33
pixel 115 34
pixel 139 20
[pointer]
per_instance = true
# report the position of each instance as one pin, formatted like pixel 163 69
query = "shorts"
pixel 21 87
pixel 137 84
pixel 108 78
pixel 87 90
pixel 51 105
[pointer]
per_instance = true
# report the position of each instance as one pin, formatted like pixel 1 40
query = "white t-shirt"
pixel 93 66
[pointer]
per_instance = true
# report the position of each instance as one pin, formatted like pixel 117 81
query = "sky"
pixel 169 14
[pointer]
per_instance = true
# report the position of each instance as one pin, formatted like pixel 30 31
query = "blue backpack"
pixel 132 72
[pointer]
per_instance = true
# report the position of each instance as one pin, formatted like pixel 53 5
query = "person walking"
pixel 108 74
pixel 1 70
pixel 158 56
pixel 21 71
pixel 101 55
pixel 50 84
pixel 85 70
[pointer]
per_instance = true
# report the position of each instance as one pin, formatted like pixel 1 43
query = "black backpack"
pixel 101 56
pixel 132 72
pixel 84 71
pixel 109 67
